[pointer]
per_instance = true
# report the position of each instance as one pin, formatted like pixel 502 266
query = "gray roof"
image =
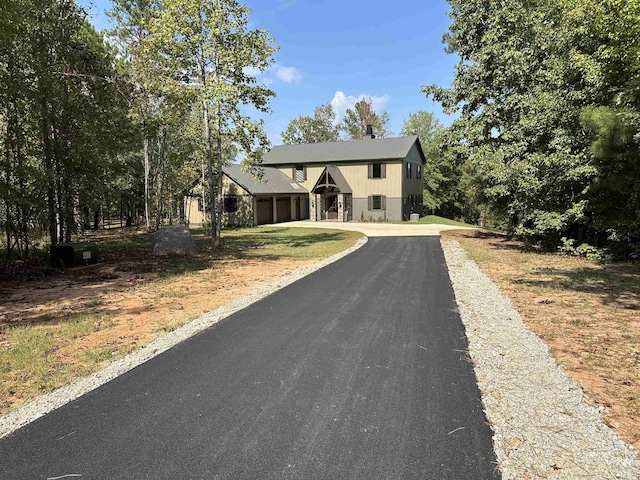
pixel 272 181
pixel 353 150
pixel 337 177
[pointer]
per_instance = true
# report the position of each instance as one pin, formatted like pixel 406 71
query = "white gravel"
pixel 45 404
pixel 543 425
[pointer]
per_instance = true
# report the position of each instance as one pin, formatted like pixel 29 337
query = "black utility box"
pixel 74 254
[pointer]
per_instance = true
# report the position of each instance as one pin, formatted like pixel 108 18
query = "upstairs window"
pixel 377 170
pixel 409 169
pixel 300 174
pixel 419 172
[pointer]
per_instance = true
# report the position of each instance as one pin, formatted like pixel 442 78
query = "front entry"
pixel 330 198
pixel 331 206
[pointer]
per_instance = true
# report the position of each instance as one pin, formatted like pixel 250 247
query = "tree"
pixel 531 86
pixel 316 129
pixel 424 124
pixel 132 19
pixel 356 119
pixel 520 111
pixel 62 118
pixel 208 50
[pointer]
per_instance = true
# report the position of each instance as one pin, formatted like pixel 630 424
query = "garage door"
pixel 264 210
pixel 284 209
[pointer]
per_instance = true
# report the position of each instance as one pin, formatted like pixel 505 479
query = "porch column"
pixel 275 210
pixel 313 207
pixel 341 207
pixel 254 204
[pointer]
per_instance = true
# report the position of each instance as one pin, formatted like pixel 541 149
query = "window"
pixel 230 204
pixel 419 172
pixel 409 170
pixel 377 170
pixel 300 174
pixel 377 202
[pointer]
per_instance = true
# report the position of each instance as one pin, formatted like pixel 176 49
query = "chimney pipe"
pixel 369 133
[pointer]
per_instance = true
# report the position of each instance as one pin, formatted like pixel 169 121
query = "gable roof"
pixel 273 180
pixel 353 150
pixel 332 172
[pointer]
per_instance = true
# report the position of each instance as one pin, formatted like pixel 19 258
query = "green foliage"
pixel 62 120
pixel 532 78
pixel 356 119
pixel 316 129
pixel 423 124
pixel 583 250
pixel 208 57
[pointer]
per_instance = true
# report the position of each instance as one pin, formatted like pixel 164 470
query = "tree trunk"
pixel 209 153
pixel 147 169
pixel 216 241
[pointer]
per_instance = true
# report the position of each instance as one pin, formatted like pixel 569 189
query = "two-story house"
pixel 375 179
pixel 370 179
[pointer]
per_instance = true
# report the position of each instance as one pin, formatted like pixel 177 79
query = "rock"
pixel 173 239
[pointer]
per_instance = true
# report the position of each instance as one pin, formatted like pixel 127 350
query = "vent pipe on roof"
pixel 369 133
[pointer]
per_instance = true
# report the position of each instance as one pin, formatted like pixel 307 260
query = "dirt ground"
pixel 116 306
pixel 587 313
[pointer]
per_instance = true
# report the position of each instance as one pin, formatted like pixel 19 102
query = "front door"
pixel 332 207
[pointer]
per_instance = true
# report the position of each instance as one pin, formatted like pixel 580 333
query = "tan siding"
pixel 244 216
pixel 193 215
pixel 356 177
pixel 361 186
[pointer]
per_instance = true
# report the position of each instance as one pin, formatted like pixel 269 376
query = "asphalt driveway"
pixel 358 371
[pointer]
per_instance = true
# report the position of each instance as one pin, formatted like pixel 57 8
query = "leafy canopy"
pixel 319 128
pixel 356 119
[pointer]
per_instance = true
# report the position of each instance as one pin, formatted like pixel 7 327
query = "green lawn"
pixel 436 220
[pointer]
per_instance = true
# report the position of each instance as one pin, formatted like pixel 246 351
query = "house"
pixel 373 179
pixel 266 196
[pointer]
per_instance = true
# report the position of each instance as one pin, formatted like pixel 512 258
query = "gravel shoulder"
pixel 543 425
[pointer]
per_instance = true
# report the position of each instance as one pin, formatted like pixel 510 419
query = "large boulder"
pixel 173 239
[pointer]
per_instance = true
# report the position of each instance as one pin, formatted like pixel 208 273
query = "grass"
pixel 435 219
pixel 285 243
pixel 132 297
pixel 587 313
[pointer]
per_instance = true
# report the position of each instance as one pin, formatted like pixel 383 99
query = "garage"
pixel 264 210
pixel 283 209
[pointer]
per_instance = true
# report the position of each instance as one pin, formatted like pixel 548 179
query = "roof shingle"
pixel 273 181
pixel 353 150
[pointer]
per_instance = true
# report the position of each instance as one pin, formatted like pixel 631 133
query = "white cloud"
pixel 253 71
pixel 341 102
pixel 287 74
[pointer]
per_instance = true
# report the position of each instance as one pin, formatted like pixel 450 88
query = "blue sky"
pixel 338 51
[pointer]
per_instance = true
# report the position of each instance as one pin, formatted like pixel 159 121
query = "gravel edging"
pixel 543 425
pixel 63 395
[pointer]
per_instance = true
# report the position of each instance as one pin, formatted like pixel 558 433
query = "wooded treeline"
pixel 123 124
pixel 547 143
